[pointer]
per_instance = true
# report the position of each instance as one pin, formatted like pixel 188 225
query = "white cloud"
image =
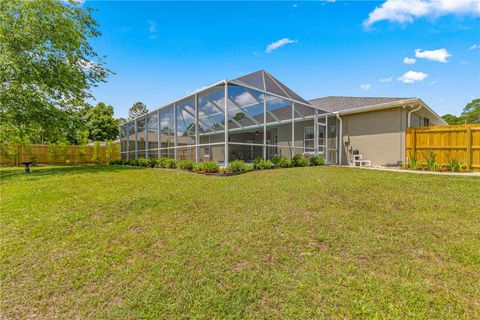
pixel 408 60
pixel 366 86
pixel 463 62
pixel 406 11
pixel 245 98
pixel 277 44
pixel 439 55
pixel 412 76
pixel 474 46
pixel 385 80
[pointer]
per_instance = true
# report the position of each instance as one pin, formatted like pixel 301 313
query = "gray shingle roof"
pixel 339 103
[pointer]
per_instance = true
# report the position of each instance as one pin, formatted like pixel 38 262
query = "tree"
pixel 452 119
pixel 47 68
pixel 471 112
pixel 138 109
pixel 100 123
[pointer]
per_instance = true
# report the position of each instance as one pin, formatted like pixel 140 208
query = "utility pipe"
pixel 410 114
pixel 341 138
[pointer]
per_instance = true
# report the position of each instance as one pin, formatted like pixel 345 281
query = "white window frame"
pixel 322 145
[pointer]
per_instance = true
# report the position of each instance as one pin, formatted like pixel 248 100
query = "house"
pixel 256 115
pixel 375 127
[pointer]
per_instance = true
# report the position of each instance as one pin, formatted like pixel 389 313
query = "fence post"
pixel 469 146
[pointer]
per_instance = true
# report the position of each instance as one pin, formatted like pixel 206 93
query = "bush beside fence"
pixel 58 154
pixel 446 143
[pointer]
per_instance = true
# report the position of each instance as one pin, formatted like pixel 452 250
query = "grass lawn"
pixel 318 242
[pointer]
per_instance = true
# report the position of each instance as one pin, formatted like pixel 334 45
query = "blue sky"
pixel 160 51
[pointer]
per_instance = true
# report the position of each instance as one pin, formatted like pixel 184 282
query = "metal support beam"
pixel 315 133
pixel 197 137
pixel 264 116
pixel 127 126
pixel 136 141
pixel 147 127
pixel 175 142
pixel 159 133
pixel 226 123
pixel 293 129
pixel 327 129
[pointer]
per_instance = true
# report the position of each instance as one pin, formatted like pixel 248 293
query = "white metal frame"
pixel 295 118
pixel 316 139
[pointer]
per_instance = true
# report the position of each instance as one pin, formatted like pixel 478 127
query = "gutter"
pixel 380 106
pixel 387 105
pixel 410 114
pixel 340 133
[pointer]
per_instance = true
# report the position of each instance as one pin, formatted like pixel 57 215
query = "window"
pixel 167 127
pixel 186 122
pixel 309 139
pixel 426 122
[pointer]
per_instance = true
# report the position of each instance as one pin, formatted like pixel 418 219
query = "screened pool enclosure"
pixel 249 117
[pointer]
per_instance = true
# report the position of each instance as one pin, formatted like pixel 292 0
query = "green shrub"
pixel 299 161
pixel 142 162
pixel 432 164
pixel 161 162
pixel 412 163
pixel 284 162
pixel 237 166
pixel 453 165
pixel 276 160
pixel 116 162
pixel 261 164
pixel 317 161
pixel 109 151
pixel 170 163
pixel 185 164
pixel 96 158
pixel 52 153
pixel 151 163
pixel 464 167
pixel 64 153
pixel 210 166
pixel 198 166
pixel 256 162
pixel 281 162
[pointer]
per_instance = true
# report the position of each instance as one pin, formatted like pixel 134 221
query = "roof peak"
pixel 264 81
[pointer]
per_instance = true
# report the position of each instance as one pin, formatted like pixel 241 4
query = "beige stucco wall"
pixel 378 135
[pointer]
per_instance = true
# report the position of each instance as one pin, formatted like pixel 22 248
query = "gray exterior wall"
pixel 379 135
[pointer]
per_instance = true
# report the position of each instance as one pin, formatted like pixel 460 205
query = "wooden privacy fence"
pixel 460 142
pixel 54 154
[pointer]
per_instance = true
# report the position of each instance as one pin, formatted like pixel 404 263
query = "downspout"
pixel 410 114
pixel 340 133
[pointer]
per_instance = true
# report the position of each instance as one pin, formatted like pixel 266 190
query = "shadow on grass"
pixel 7 174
